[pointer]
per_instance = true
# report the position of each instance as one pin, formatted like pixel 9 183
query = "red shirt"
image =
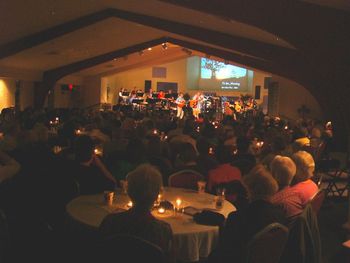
pixel 289 200
pixel 224 173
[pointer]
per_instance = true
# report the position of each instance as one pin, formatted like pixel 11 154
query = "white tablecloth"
pixel 191 241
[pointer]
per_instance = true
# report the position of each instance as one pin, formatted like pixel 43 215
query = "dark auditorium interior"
pixel 175 131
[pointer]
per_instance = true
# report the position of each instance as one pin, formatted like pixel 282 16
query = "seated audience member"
pixel 224 172
pixel 8 167
pixel 243 150
pixel 302 182
pixel 89 171
pixel 205 160
pixel 283 170
pixel 300 138
pixel 243 224
pixel 278 147
pixel 144 184
pixel 187 158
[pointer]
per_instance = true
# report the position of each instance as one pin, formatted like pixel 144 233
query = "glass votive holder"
pixel 201 186
pixel 108 197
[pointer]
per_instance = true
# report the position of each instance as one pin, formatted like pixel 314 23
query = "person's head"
pixel 283 169
pixel 305 166
pixel 242 144
pixel 187 153
pixel 224 153
pixel 260 184
pixel 84 148
pixel 144 184
pixel 203 146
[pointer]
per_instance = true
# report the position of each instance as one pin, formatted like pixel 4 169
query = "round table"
pixel 191 241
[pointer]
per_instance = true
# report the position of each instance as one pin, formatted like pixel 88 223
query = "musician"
pixel 161 95
pixel 120 96
pixel 180 102
pixel 132 95
pixel 198 98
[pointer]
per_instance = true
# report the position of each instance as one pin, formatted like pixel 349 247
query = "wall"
pixel 91 91
pixel 292 96
pixel 7 93
pixel 176 72
pixel 68 99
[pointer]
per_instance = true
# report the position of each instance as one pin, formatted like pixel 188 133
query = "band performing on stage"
pixel 185 104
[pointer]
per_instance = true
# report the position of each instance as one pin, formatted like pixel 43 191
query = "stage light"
pixel 149 49
pixel 164 46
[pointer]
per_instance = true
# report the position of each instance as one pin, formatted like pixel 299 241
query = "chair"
pixel 127 248
pixel 267 245
pixel 185 179
pixel 332 175
pixel 304 243
pixel 317 201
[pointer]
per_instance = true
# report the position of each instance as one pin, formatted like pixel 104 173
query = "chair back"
pixel 185 179
pixel 304 242
pixel 317 201
pixel 128 248
pixel 267 245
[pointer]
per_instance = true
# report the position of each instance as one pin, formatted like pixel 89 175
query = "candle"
pixel 286 127
pixel 178 202
pixel 211 150
pixel 155 132
pixel 161 210
pixel 78 132
pixel 129 204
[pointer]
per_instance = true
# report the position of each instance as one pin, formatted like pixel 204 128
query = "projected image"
pixel 230 76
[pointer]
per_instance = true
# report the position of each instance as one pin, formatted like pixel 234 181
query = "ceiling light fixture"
pixel 164 46
pixel 149 49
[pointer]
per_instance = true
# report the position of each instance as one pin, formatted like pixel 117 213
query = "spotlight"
pixel 149 49
pixel 164 46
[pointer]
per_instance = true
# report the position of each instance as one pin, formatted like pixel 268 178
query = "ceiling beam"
pixel 60 72
pixel 244 45
pixel 38 38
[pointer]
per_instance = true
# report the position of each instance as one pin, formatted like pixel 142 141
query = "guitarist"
pixel 180 102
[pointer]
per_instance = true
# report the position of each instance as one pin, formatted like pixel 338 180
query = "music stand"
pixel 125 93
pixel 139 94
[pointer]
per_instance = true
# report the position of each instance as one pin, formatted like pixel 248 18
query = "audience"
pixel 224 172
pixel 283 170
pixel 144 184
pixel 243 224
pixel 303 184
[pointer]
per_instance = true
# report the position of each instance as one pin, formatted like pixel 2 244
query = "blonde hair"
pixel 260 184
pixel 283 169
pixel 144 184
pixel 305 165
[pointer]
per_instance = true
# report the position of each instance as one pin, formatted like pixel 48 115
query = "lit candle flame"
pixel 178 202
pixel 161 210
pixel 129 204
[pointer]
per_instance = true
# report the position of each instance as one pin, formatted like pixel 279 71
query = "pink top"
pixel 294 199
pixel 306 190
pixel 224 173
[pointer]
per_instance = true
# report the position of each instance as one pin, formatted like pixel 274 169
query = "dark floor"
pixel 332 216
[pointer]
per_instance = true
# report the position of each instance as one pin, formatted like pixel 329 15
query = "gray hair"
pixel 260 184
pixel 283 169
pixel 144 184
pixel 305 166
